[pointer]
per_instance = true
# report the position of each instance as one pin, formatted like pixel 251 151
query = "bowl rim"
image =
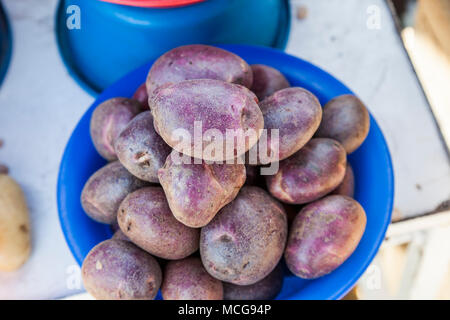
pixel 390 179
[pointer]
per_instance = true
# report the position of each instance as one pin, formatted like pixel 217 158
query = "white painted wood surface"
pixel 40 105
pixel 374 64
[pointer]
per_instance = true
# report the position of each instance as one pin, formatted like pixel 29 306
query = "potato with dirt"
pixel 140 149
pixel 345 119
pixel 323 235
pixel 105 190
pixel 296 114
pixel 198 62
pixel 209 108
pixel 267 81
pixel 145 218
pixel 196 192
pixel 108 121
pixel 347 186
pixel 187 279
pixel 311 173
pixel 245 240
pixel 265 289
pixel 15 240
pixel 118 270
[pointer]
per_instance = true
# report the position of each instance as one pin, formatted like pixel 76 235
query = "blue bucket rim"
pixel 63 48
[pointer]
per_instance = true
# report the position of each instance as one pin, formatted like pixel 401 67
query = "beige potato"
pixel 15 244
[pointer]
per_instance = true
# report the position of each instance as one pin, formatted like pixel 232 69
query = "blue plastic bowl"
pixel 116 39
pixel 371 163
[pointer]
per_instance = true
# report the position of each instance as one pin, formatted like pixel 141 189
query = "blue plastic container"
pixel 115 39
pixel 371 163
pixel 5 43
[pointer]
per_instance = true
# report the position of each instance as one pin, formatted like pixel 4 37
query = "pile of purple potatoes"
pixel 208 230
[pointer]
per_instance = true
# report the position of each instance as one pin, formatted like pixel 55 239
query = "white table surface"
pixel 40 104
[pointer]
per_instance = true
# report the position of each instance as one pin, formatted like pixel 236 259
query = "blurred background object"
pixel 425 29
pixel 108 34
pixel 414 261
pixel 5 43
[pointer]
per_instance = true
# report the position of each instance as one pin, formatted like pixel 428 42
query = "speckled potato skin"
pixel 216 104
pixel 108 121
pixel 314 171
pixel 265 289
pixel 105 190
pixel 297 113
pixel 140 149
pixel 346 120
pixel 347 186
pixel 145 218
pixel 323 235
pixel 119 235
pixel 114 226
pixel 198 62
pixel 267 81
pixel 141 95
pixel 196 192
pixel 187 279
pixel 118 270
pixel 245 240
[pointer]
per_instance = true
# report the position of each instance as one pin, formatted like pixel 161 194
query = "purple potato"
pixel 141 95
pixel 119 235
pixel 323 235
pixel 296 113
pixel 347 186
pixel 267 80
pixel 214 105
pixel 187 279
pixel 145 218
pixel 346 120
pixel 105 190
pixel 140 149
pixel 196 192
pixel 314 171
pixel 245 240
pixel 108 121
pixel 118 270
pixel 265 289
pixel 114 226
pixel 198 62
